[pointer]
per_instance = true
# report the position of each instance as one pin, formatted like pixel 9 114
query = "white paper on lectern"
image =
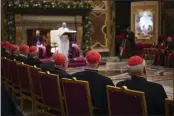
pixel 62 30
pixel 68 32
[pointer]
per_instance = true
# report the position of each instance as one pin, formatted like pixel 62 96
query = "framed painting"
pixel 145 21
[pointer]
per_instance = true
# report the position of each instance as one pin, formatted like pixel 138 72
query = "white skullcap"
pixel 64 23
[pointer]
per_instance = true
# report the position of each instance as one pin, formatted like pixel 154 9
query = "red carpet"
pixel 75 62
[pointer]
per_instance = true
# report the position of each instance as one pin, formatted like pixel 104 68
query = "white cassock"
pixel 64 41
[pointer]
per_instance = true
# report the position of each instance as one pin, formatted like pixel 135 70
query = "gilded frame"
pixel 84 83
pixel 167 103
pixel 59 92
pixel 130 92
pixel 139 9
pixel 145 6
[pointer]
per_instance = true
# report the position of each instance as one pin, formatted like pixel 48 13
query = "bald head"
pixel 169 39
pixel 37 32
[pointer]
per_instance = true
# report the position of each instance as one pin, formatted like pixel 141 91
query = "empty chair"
pixel 51 94
pixel 25 85
pixel 6 72
pixel 125 102
pixel 14 77
pixel 34 76
pixel 14 73
pixel 2 72
pixel 77 98
pixel 169 107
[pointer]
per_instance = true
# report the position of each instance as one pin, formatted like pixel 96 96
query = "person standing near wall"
pixel 131 38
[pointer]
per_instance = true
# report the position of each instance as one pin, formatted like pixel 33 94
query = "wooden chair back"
pixel 14 73
pixel 34 76
pixel 77 97
pixel 169 107
pixel 125 102
pixel 24 79
pixel 51 92
pixel 6 70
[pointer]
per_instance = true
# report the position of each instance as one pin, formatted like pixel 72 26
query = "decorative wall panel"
pixel 99 20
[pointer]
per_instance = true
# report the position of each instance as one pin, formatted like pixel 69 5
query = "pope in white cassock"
pixel 64 40
pixel 61 41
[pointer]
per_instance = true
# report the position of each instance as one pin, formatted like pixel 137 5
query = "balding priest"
pixel 154 92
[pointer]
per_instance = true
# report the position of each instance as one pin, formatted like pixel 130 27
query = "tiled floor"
pixel 117 72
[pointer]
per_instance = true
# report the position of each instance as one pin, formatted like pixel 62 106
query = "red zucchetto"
pixel 136 63
pixel 93 57
pixel 59 58
pixel 33 50
pixel 24 48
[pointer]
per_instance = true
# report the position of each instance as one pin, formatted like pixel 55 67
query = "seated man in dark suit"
pixel 8 108
pixel 97 82
pixel 47 66
pixel 154 93
pixel 14 51
pixel 23 53
pixel 168 49
pixel 60 65
pixel 33 58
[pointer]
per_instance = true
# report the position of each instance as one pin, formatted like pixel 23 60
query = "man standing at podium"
pixel 64 39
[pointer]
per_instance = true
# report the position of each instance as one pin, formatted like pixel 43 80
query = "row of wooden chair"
pixel 65 96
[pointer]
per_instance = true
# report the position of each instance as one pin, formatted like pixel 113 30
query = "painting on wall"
pixel 144 24
pixel 145 21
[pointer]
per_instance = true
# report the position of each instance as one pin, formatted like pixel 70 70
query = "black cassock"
pixel 164 56
pixel 35 39
pixel 154 93
pixel 131 40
